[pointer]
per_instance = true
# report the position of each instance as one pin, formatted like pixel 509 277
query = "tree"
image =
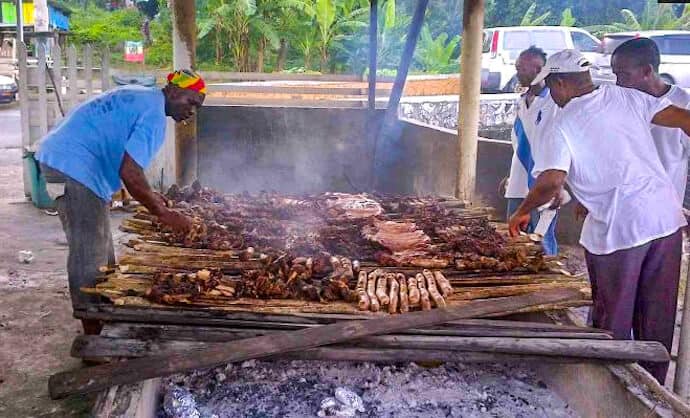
pixel 567 18
pixel 529 20
pixel 335 20
pixel 437 55
pixel 213 19
pixel 655 16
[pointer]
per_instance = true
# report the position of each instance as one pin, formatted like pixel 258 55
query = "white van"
pixel 674 48
pixel 503 45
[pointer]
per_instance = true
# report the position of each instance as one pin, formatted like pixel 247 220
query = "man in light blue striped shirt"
pixel 535 111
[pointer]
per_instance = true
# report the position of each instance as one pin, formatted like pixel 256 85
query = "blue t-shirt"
pixel 90 143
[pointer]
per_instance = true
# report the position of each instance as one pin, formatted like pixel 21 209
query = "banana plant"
pixel 655 16
pixel 437 55
pixel 529 20
pixel 336 20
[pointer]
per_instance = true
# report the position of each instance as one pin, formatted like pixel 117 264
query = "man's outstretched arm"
pixel 547 186
pixel 673 117
pixel 135 180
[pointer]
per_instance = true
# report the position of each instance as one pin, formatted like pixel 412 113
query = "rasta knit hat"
pixel 187 79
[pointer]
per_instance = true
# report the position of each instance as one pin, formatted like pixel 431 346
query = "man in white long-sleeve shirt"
pixel 636 65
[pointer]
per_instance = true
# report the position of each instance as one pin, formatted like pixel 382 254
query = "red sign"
pixel 134 51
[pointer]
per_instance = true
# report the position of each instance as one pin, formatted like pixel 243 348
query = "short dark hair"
pixel 536 52
pixel 643 50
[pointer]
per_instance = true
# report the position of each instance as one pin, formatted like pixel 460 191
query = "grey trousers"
pixel 86 221
pixel 637 290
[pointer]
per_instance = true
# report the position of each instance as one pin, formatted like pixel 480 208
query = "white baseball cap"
pixel 566 61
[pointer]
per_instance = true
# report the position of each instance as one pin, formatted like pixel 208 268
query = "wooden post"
pixel 681 383
pixel 24 109
pixel 105 69
pixel 470 82
pixel 184 56
pixel 373 52
pixel 57 79
pixel 20 22
pixel 72 79
pixel 42 94
pixel 88 70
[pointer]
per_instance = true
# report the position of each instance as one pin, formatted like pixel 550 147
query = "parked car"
pixel 674 47
pixel 8 89
pixel 503 45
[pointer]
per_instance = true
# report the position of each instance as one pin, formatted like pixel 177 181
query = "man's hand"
pixel 518 223
pixel 177 221
pixel 135 181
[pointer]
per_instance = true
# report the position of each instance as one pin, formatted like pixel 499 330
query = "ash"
pixel 258 389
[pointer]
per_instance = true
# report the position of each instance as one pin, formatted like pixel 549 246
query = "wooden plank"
pixel 246 318
pixel 73 81
pixel 99 347
pixel 615 350
pixel 105 69
pixel 323 89
pixel 42 114
pixel 88 69
pixel 100 377
pixel 268 102
pixel 57 79
pixel 217 334
pixel 138 400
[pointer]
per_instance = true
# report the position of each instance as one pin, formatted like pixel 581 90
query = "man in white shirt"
pixel 602 146
pixel 535 110
pixel 636 65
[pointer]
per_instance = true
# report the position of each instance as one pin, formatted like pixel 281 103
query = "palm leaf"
pixel 527 18
pixel 205 27
pixel 389 20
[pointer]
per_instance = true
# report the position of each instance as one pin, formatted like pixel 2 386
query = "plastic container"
pixel 138 80
pixel 39 193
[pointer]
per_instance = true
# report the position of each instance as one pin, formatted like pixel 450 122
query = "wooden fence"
pixel 52 84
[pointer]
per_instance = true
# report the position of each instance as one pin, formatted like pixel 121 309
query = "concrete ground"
pixel 36 324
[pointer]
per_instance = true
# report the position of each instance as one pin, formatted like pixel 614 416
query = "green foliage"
pixel 99 27
pixel 567 18
pixel 437 55
pixel 159 54
pixel 655 16
pixel 332 35
pixel 529 20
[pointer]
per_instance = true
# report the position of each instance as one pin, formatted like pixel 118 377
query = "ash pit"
pixel 291 389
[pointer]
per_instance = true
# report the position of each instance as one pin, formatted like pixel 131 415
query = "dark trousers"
pixel 86 221
pixel 637 290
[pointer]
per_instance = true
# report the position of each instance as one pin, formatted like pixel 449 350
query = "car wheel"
pixel 667 79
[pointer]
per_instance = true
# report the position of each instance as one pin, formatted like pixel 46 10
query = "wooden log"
pixel 216 334
pixel 100 377
pixel 138 400
pixel 100 347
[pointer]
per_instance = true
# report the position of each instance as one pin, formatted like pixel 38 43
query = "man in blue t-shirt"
pixel 104 142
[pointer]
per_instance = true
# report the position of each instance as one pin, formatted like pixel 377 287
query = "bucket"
pixel 39 193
